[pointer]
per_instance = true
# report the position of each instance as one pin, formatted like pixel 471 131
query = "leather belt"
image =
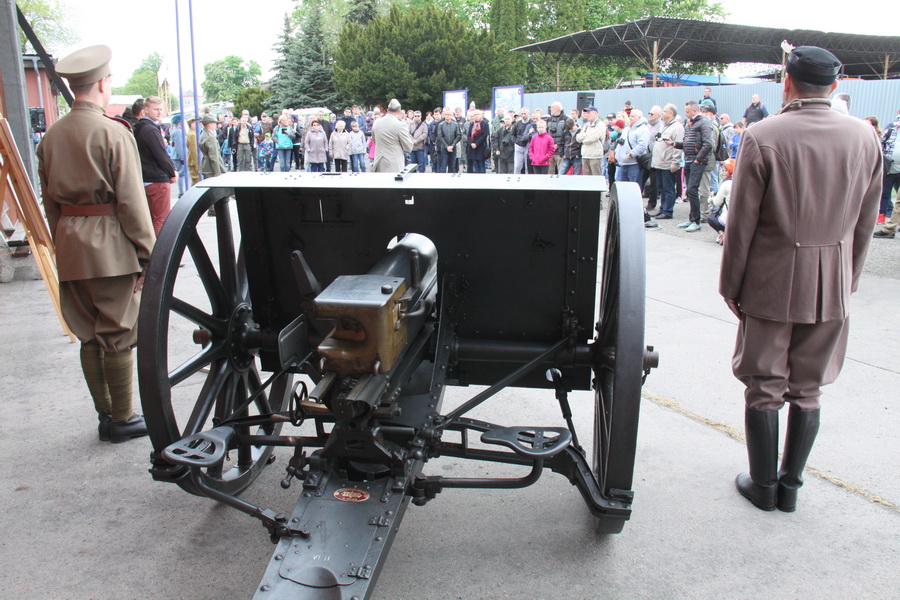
pixel 87 210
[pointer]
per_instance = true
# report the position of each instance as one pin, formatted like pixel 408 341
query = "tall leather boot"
pixel 125 425
pixel 802 428
pixel 760 486
pixel 92 368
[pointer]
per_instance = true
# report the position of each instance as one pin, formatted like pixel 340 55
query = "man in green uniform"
pixel 94 199
pixel 211 165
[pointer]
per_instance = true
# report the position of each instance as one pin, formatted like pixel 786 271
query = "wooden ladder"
pixel 18 195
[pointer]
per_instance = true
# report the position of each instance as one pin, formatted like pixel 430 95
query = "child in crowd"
pixel 357 148
pixel 736 140
pixel 265 153
pixel 718 205
pixel 541 149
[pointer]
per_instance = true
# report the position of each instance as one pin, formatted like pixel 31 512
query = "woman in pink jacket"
pixel 541 149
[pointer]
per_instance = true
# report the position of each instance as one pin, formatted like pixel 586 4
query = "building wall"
pixel 878 98
pixel 39 90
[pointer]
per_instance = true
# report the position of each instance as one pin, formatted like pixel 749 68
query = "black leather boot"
pixel 122 431
pixel 802 428
pixel 105 419
pixel 760 486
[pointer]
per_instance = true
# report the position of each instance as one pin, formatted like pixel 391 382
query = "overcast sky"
pixel 250 29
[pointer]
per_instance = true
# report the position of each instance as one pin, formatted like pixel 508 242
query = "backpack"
pixel 721 146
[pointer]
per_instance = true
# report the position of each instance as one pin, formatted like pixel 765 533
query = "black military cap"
pixel 814 65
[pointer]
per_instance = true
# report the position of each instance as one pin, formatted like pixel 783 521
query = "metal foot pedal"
pixel 533 442
pixel 204 449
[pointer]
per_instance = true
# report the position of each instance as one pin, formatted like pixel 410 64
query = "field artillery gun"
pixel 362 297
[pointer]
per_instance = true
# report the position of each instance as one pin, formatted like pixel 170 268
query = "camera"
pixel 658 135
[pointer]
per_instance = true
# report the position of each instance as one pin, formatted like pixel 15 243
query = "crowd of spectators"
pixel 674 153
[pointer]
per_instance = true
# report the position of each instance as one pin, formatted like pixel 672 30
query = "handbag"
pixel 644 160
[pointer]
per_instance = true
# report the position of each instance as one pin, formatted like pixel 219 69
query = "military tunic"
pixel 193 162
pixel 805 195
pixel 211 164
pixel 88 159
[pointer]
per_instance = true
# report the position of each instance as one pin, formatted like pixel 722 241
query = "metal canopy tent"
pixel 653 39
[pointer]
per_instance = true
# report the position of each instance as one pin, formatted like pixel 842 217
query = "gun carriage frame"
pixel 507 299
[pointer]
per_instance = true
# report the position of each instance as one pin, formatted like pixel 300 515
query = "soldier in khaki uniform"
pixel 193 161
pixel 211 165
pixel 806 188
pixel 94 199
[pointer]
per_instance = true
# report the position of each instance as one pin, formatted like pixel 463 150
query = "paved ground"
pixel 83 519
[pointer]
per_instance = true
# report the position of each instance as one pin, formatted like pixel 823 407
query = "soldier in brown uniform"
pixel 805 194
pixel 94 199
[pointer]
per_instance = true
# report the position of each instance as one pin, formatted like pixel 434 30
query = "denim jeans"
pixel 693 174
pixel 284 159
pixel 317 167
pixel 570 162
pixel 179 170
pixel 476 166
pixel 889 183
pixel 358 163
pixel 446 161
pixel 665 184
pixel 520 159
pixel 629 173
pixel 418 157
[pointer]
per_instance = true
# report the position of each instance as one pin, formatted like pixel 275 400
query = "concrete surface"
pixel 83 519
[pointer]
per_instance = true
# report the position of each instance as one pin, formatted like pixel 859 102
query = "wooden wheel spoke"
pixel 207 398
pixel 196 362
pixel 228 270
pixel 218 327
pixel 243 283
pixel 219 299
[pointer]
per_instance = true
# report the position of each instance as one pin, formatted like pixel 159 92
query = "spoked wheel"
pixel 619 348
pixel 195 364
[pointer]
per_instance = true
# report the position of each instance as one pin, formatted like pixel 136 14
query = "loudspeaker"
pixel 38 123
pixel 585 99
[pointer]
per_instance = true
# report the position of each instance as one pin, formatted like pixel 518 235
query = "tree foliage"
pixel 416 54
pixel 48 20
pixel 371 50
pixel 509 21
pixel 304 72
pixel 224 78
pixel 253 99
pixel 144 81
pixel 362 12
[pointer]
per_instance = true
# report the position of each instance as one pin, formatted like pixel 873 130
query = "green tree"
pixel 254 99
pixel 416 54
pixel 283 85
pixel 224 78
pixel 48 19
pixel 312 62
pixel 508 20
pixel 474 12
pixel 145 79
pixel 141 82
pixel 361 12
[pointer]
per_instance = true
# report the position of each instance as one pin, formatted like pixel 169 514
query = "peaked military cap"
pixel 86 65
pixel 813 65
